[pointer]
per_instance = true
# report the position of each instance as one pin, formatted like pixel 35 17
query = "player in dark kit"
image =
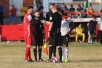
pixel 91 28
pixel 38 35
pixel 54 32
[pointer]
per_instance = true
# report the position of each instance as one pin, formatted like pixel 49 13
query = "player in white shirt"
pixel 65 30
pixel 100 29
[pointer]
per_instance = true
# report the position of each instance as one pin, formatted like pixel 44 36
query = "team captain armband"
pixel 29 18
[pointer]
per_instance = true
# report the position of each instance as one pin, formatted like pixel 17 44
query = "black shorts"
pixel 38 40
pixel 90 31
pixel 65 40
pixel 55 39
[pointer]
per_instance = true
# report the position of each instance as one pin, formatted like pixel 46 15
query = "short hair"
pixel 30 7
pixel 52 4
pixel 35 11
pixel 71 5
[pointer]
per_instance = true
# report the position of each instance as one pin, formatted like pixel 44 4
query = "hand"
pixel 48 34
pixel 43 21
pixel 67 32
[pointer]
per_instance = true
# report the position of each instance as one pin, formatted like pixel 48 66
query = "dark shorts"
pixel 55 39
pixel 13 18
pixel 65 40
pixel 38 40
pixel 91 32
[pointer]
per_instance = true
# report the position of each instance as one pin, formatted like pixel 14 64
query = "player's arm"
pixel 29 25
pixel 45 22
pixel 72 25
pixel 50 26
pixel 29 31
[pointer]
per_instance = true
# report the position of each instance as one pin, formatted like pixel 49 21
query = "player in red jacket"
pixel 28 34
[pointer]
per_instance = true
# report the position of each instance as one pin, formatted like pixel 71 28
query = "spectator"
pixel 86 4
pixel 64 7
pixel 90 11
pixel 13 12
pixel 34 6
pixel 100 11
pixel 23 12
pixel 79 32
pixel 40 9
pixel 100 29
pixel 91 28
pixel 80 10
pixel 1 14
pixel 72 9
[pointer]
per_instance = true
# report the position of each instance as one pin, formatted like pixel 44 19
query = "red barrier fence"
pixel 15 32
pixel 12 32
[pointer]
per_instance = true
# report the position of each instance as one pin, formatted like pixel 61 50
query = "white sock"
pixel 91 41
pixel 66 52
pixel 62 53
pixel 88 41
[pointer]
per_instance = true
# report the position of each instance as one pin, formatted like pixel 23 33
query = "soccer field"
pixel 81 55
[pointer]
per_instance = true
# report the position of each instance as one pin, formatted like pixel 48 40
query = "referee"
pixel 38 35
pixel 54 32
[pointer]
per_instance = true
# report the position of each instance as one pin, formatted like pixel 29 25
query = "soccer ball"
pixel 55 59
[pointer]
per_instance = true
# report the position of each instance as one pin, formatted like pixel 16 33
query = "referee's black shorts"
pixel 55 39
pixel 38 40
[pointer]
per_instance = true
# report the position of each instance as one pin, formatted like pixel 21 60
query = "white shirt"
pixel 100 24
pixel 29 18
pixel 65 26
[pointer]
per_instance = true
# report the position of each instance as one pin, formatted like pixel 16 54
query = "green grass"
pixel 81 55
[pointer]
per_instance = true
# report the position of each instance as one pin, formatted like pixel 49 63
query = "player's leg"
pixel 35 49
pixel 58 37
pixel 35 52
pixel 91 40
pixel 76 37
pixel 28 42
pixel 89 35
pixel 50 49
pixel 26 49
pixel 63 59
pixel 27 53
pixel 40 44
pixel 66 41
pixel 54 51
pixel 40 53
pixel 62 39
pixel 83 37
pixel 60 53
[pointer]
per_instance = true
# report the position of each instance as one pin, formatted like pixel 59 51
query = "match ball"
pixel 55 59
